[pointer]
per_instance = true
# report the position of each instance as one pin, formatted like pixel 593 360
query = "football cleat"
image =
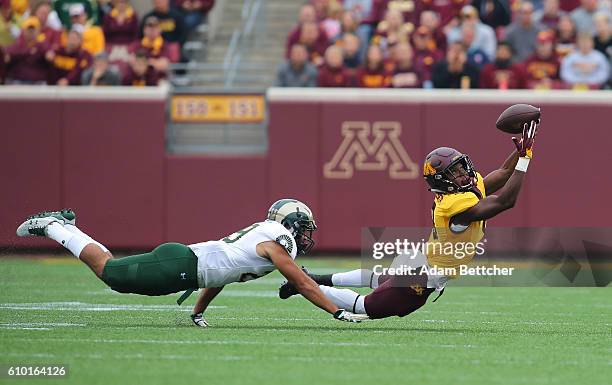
pixel 66 216
pixel 288 290
pixel 36 226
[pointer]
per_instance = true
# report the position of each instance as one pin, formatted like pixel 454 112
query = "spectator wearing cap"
pixel 62 7
pixel 455 71
pixel 101 73
pixel 494 13
pixel 603 35
pixel 426 54
pixel 154 45
pixel 585 66
pixel 549 15
pixel 68 62
pixel 170 22
pixel 405 74
pixel 373 73
pixel 583 15
pixel 120 25
pixel 25 58
pixel 542 68
pixel 92 35
pixel 523 33
pixel 502 73
pixel 484 36
pixel 297 71
pixel 194 11
pixel 140 73
pixel 332 73
pixel 566 36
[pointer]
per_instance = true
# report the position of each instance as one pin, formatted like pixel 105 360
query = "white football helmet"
pixel 298 219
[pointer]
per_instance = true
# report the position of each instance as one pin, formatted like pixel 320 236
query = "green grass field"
pixel 54 311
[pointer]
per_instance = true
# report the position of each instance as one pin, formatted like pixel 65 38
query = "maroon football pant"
pixel 397 296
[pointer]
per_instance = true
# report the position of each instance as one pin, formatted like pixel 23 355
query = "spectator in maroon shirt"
pixel 425 52
pixel 26 62
pixel 154 45
pixel 194 11
pixel 447 9
pixel 431 21
pixel 373 73
pixel 549 15
pixel 542 68
pixel 140 73
pixel 315 41
pixel 566 36
pixel 68 63
pixel 307 15
pixel 405 73
pixel 332 73
pixel 502 73
pixel 52 36
pixel 120 25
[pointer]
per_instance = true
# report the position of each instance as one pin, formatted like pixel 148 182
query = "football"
pixel 513 117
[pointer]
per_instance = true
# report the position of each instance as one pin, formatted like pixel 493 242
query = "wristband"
pixel 522 164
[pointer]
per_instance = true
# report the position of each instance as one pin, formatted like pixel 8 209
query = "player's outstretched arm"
pixel 494 204
pixel 205 298
pixel 303 283
pixel 498 178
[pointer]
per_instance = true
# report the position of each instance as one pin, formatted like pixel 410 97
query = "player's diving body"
pixel 463 201
pixel 171 267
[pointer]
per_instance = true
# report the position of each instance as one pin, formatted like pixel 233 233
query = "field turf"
pixel 54 311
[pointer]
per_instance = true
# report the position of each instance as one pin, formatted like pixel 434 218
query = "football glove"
pixel 524 146
pixel 347 316
pixel 198 320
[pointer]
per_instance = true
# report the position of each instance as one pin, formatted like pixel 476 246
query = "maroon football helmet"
pixel 446 170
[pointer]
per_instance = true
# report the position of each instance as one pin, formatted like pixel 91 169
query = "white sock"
pixel 75 230
pixel 356 278
pixel 73 242
pixel 345 299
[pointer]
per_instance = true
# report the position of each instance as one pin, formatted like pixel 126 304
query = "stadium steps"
pixel 258 63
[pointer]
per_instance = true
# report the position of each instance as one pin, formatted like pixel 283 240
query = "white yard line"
pixel 81 306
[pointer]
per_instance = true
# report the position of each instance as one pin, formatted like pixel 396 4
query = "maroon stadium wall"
pixel 353 156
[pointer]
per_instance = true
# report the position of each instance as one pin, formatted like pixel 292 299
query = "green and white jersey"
pixel 234 258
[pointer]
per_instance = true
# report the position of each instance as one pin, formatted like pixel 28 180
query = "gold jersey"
pixel 452 247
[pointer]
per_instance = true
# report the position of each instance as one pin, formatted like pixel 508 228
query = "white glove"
pixel 343 315
pixel 198 320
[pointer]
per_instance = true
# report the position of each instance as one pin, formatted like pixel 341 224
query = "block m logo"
pixel 384 152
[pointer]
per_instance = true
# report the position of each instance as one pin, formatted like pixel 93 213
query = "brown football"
pixel 513 118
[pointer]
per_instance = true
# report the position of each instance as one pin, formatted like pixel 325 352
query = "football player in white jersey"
pixel 244 255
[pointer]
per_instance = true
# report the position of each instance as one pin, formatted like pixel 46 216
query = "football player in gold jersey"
pixel 463 201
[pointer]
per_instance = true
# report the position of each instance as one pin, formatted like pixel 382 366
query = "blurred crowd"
pixel 497 44
pixel 89 42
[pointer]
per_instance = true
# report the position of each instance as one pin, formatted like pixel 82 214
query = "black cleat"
pixel 288 290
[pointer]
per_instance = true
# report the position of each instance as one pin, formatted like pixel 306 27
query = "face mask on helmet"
pixel 301 229
pixel 458 176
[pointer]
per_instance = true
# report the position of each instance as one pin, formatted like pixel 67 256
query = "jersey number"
pixel 239 234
